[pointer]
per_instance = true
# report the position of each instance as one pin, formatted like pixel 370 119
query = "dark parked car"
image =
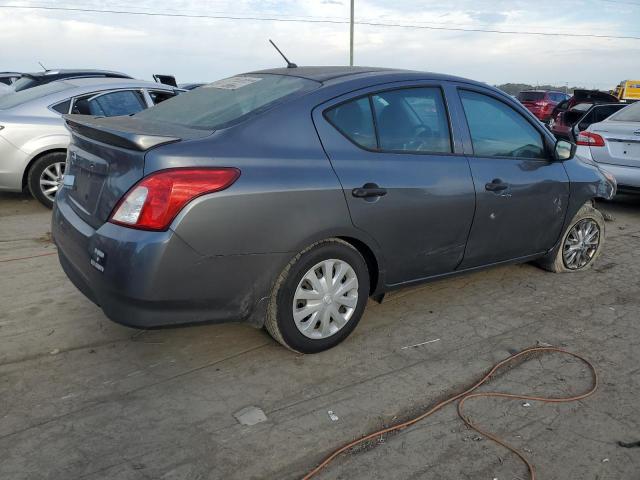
pixel 570 123
pixel 541 102
pixel 287 197
pixel 30 80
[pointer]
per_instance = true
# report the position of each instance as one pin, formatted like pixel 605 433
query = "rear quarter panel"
pixel 286 198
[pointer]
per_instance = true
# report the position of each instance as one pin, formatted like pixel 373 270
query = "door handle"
pixel 369 190
pixel 496 185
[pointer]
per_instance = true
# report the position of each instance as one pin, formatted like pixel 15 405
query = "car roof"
pixel 341 74
pixel 322 74
pixel 77 71
pixel 99 82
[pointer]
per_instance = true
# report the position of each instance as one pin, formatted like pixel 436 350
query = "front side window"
pixel 412 119
pixel 497 130
pixel 354 120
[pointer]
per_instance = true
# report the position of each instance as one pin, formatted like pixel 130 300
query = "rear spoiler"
pixel 95 128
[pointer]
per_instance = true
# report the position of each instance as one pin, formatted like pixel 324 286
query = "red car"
pixel 541 102
pixel 560 125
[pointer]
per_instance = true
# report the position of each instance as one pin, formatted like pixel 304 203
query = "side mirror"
pixel 564 150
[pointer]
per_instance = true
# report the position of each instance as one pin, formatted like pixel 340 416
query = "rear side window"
pixel 354 120
pixel 412 120
pixel 404 120
pixel 112 104
pixel 117 103
pixel 62 107
pixel 497 130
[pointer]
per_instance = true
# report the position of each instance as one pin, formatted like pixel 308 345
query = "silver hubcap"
pixel 51 179
pixel 581 244
pixel 325 299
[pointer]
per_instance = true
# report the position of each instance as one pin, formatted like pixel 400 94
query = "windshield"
pixel 530 96
pixel 224 102
pixel 18 98
pixel 628 114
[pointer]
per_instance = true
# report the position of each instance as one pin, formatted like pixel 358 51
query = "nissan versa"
pixel 286 198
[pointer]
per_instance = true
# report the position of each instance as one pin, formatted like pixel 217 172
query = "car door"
pixel 405 178
pixel 521 192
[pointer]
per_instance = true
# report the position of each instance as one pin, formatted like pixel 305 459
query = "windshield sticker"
pixel 233 83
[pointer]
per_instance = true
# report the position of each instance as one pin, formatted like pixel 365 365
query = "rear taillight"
pixel 154 202
pixel 544 105
pixel 589 139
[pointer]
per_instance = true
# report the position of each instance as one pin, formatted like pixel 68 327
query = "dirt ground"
pixel 84 398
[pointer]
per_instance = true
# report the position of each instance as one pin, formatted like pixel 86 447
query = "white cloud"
pixel 206 49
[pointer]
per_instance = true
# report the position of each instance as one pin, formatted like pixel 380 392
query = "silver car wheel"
pixel 581 244
pixel 325 299
pixel 51 179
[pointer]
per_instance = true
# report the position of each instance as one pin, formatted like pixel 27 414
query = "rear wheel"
pixel 319 297
pixel 45 177
pixel 581 243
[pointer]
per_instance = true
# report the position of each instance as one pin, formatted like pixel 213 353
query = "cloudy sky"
pixel 200 49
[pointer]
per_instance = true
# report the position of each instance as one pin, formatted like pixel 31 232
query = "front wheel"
pixel 319 297
pixel 45 177
pixel 581 243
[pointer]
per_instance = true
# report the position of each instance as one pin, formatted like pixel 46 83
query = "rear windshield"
pixel 530 96
pixel 628 114
pixel 224 102
pixel 18 98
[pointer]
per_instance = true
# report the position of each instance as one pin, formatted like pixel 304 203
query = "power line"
pixel 323 21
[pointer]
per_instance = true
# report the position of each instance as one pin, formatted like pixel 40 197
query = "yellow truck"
pixel 628 90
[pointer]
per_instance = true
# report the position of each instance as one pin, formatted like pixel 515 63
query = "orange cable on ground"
pixel 467 394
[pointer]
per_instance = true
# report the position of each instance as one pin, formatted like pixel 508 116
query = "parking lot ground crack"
pixel 135 390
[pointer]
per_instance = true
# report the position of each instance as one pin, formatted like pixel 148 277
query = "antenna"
pixel 43 67
pixel 289 64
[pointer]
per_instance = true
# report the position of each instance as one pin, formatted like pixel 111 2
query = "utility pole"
pixel 351 37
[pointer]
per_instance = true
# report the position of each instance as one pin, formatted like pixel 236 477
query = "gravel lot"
pixel 82 397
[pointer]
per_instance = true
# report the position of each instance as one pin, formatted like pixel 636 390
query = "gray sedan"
pixel 615 144
pixel 33 137
pixel 286 198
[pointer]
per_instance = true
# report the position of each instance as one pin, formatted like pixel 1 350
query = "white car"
pixel 614 144
pixel 33 136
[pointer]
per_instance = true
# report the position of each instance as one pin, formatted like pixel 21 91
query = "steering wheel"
pixel 421 138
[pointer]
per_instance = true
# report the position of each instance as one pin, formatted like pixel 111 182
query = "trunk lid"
pixel 106 158
pixel 622 143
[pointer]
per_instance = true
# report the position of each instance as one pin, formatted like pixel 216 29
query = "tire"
pixel 555 260
pixel 280 322
pixel 44 168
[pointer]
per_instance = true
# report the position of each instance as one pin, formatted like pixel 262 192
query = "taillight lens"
pixel 589 139
pixel 154 202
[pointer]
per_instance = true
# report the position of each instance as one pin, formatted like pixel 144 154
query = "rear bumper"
pixel 155 279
